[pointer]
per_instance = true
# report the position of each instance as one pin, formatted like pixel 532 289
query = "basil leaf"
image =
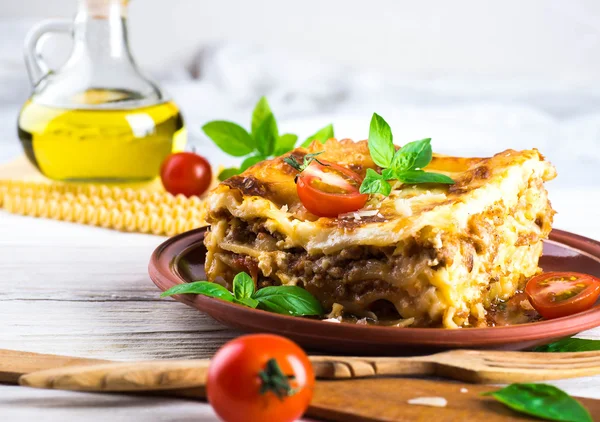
pixel 250 161
pixel 266 136
pixel 243 286
pixel 422 152
pixel 230 137
pixel 322 135
pixel 381 142
pixel 570 345
pixel 420 176
pixel 288 300
pixel 262 110
pixel 388 174
pixel 403 161
pixel 543 401
pixel 285 143
pixel 375 183
pixel 205 288
pixel 227 173
pixel 247 301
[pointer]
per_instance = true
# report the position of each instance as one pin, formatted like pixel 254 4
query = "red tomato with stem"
pixel 328 189
pixel 186 173
pixel 260 377
pixel 558 294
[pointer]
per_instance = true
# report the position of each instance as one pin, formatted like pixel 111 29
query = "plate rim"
pixel 163 277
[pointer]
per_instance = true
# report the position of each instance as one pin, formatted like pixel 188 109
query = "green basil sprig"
pixel 404 165
pixel 286 300
pixel 263 141
pixel 308 158
pixel 543 401
pixel 570 345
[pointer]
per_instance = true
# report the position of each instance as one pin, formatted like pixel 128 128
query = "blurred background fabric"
pixel 477 77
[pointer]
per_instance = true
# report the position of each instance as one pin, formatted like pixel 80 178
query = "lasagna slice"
pixel 437 255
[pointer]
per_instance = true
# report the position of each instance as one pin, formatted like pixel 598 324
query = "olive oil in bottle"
pixel 97 117
pixel 100 144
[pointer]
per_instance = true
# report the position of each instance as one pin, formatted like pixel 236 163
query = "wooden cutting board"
pixel 363 400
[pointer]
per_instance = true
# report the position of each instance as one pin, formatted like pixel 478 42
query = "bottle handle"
pixel 34 60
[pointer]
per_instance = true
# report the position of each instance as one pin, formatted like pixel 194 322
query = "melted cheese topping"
pixel 403 214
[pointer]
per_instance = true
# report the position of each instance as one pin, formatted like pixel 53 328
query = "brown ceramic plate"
pixel 181 259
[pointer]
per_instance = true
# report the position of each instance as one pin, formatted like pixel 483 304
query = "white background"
pixel 537 39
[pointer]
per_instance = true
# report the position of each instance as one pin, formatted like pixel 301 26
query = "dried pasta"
pixel 127 209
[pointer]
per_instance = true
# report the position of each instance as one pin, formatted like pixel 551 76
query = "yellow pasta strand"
pixel 113 207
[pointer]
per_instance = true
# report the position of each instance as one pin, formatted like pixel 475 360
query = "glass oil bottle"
pixel 97 118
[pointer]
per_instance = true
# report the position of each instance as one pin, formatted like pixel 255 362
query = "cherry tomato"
pixel 328 190
pixel 260 377
pixel 558 294
pixel 186 173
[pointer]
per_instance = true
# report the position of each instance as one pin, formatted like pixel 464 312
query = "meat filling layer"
pixel 391 282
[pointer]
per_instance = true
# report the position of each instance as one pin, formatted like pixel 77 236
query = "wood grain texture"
pixel 464 365
pixel 380 400
pixel 84 291
pixel 13 364
pixel 123 377
pixel 19 404
pixel 386 400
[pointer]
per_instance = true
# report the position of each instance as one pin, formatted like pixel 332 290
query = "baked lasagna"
pixel 430 255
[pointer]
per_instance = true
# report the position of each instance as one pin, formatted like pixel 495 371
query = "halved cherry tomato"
pixel 186 173
pixel 328 190
pixel 260 377
pixel 558 294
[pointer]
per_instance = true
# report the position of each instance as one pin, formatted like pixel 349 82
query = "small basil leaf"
pixel 247 301
pixel 285 143
pixel 227 173
pixel 250 161
pixel 388 174
pixel 375 183
pixel 288 300
pixel 422 152
pixel 570 345
pixel 381 142
pixel 205 288
pixel 262 110
pixel 420 176
pixel 403 161
pixel 266 136
pixel 243 286
pixel 230 137
pixel 543 401
pixel 322 135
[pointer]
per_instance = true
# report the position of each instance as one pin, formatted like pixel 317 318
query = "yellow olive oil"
pixel 100 144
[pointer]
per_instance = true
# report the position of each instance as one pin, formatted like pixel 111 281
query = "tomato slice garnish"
pixel 558 294
pixel 328 190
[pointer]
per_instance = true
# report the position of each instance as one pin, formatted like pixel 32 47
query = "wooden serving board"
pixel 385 400
pixel 359 400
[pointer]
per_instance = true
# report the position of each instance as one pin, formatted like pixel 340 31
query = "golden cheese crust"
pixel 437 254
